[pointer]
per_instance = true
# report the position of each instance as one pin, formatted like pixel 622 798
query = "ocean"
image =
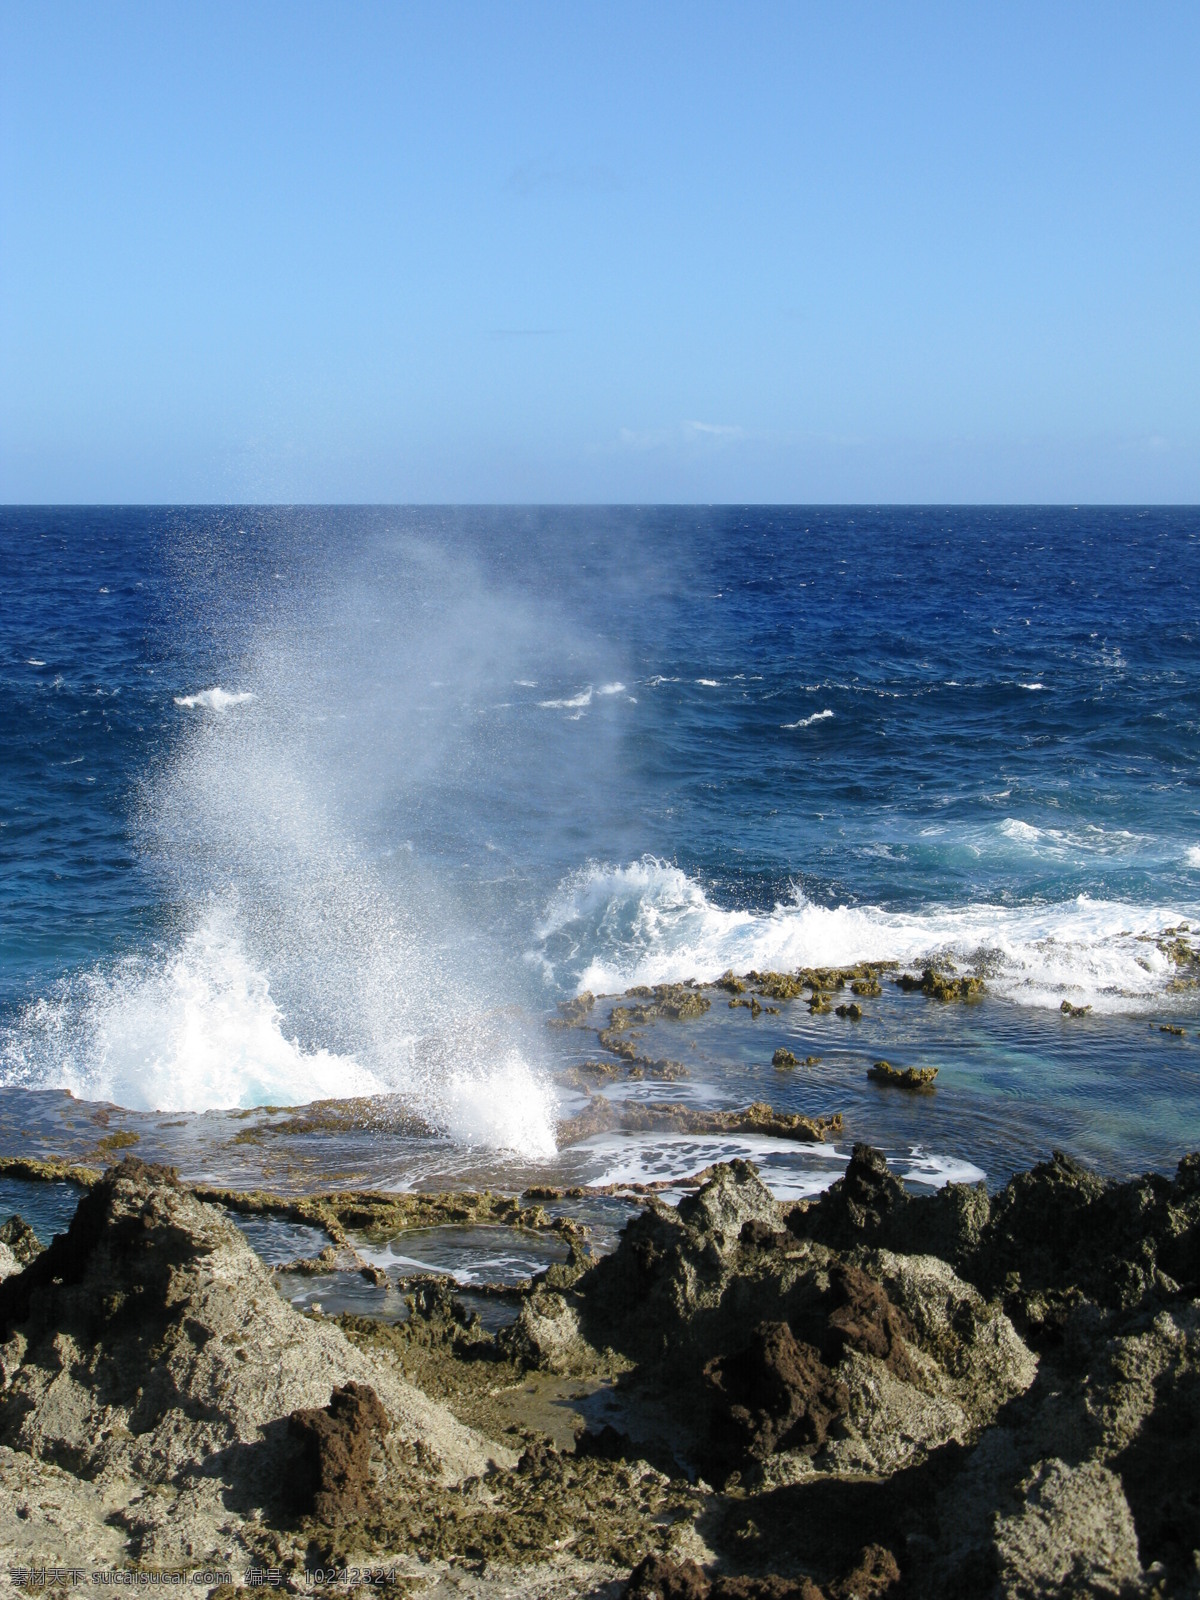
pixel 337 805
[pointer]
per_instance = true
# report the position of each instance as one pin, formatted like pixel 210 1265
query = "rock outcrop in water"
pixel 902 1077
pixel 896 1396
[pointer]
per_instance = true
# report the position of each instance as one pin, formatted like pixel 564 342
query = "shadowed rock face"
pixel 774 1392
pixel 858 1363
pixel 948 1395
pixel 1056 1227
pixel 789 1355
pixel 864 1319
pixel 151 1334
pixel 873 1576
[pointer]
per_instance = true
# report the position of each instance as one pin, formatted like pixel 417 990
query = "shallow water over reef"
pixel 1119 1093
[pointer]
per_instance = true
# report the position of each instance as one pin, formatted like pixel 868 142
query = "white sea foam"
pixel 790 1171
pixel 215 699
pixel 1192 855
pixel 709 683
pixel 505 1107
pixel 610 927
pixel 935 1171
pixel 1023 832
pixel 1060 844
pixel 807 722
pixel 611 688
pixel 573 703
pixel 34 663
pixel 311 956
pixel 188 1030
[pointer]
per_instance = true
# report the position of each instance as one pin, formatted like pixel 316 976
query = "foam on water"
pixel 936 1171
pixel 611 927
pixel 807 722
pixel 214 699
pixel 574 702
pixel 187 1030
pixel 1023 832
pixel 1064 844
pixel 791 1171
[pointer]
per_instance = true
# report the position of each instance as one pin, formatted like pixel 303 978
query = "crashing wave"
pixel 610 927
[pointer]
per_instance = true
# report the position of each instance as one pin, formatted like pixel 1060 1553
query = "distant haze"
pixel 617 253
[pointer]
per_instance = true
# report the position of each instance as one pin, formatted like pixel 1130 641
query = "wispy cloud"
pixel 522 333
pixel 716 430
pixel 696 435
pixel 532 176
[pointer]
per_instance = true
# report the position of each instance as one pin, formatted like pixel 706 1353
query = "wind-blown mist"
pixel 318 828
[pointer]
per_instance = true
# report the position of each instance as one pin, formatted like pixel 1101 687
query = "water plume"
pixel 310 830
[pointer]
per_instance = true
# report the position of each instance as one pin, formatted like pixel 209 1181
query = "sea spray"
pixel 187 1028
pixel 312 950
pixel 610 927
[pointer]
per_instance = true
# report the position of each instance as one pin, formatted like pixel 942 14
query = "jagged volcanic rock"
pixel 148 1353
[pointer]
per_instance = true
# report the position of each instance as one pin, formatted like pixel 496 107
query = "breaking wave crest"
pixel 610 927
pixel 196 1027
pixel 184 1030
pixel 807 722
pixel 215 699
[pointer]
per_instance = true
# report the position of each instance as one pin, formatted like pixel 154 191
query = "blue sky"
pixel 643 252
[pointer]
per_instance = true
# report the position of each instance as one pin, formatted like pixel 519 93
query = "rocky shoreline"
pixel 867 1394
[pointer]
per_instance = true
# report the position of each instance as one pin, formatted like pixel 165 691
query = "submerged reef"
pixel 865 1394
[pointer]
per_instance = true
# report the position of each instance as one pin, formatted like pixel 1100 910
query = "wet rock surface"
pixel 903 1077
pixel 601 1115
pixel 866 1394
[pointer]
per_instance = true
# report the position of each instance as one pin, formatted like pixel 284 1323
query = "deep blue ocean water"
pixel 301 803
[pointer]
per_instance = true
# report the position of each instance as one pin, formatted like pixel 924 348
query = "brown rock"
pixel 902 1077
pixel 573 1013
pixel 330 1476
pixel 776 1392
pixel 869 988
pixel 866 1320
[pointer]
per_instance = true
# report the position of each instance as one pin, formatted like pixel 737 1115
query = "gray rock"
pixel 1074 1535
pixel 148 1352
pixel 547 1335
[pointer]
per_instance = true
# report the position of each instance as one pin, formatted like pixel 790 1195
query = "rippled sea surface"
pixel 301 805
